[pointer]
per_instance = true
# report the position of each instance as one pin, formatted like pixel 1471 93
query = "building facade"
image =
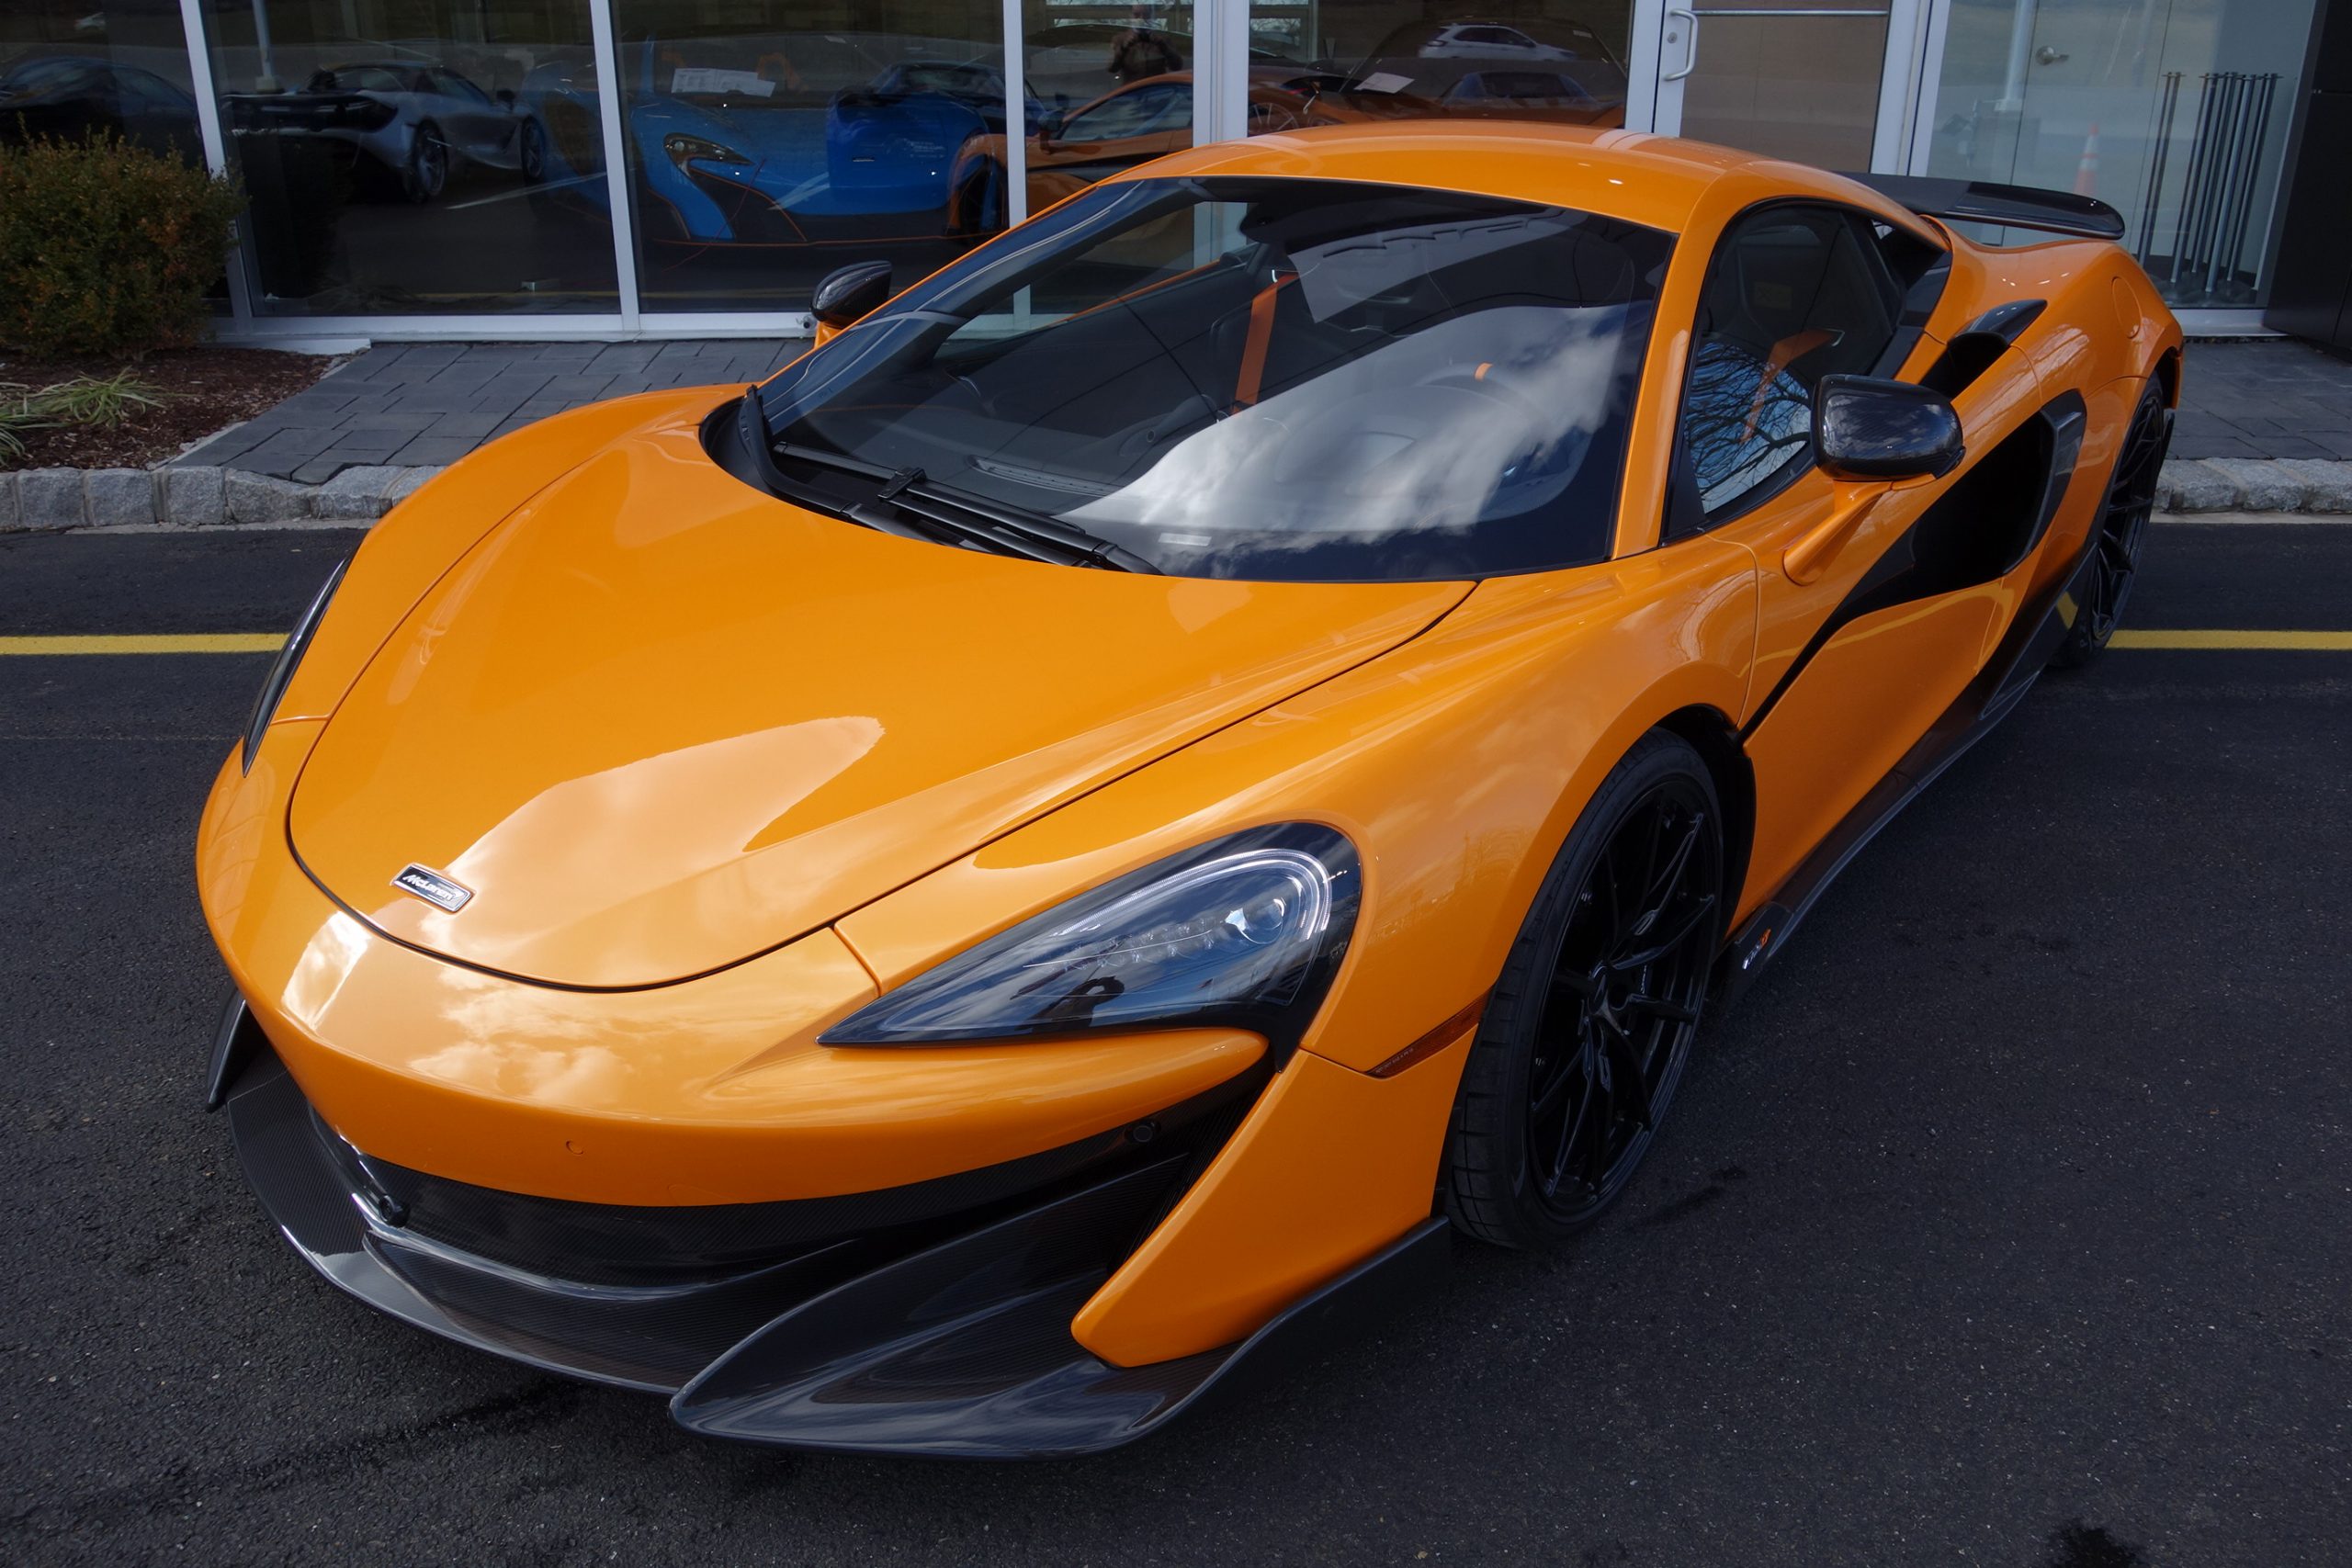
pixel 615 168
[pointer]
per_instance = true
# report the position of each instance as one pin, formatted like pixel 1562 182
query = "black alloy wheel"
pixel 428 163
pixel 2123 529
pixel 1585 1037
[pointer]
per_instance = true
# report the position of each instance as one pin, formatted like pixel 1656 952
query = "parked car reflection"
pixel 67 96
pixel 1543 70
pixel 405 121
pixel 1132 124
pixel 790 139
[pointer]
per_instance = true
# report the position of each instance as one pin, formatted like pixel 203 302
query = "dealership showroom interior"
pixel 758 751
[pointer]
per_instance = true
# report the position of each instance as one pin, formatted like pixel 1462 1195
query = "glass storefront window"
pixel 1561 60
pixel 415 155
pixel 68 68
pixel 1796 81
pixel 1112 86
pixel 2176 112
pixel 769 143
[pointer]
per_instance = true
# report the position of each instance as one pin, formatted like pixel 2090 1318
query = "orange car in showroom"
pixel 949 901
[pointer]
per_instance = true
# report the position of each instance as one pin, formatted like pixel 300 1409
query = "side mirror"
pixel 1870 429
pixel 507 96
pixel 1050 125
pixel 848 293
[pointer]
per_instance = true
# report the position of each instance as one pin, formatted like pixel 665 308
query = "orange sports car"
pixel 949 901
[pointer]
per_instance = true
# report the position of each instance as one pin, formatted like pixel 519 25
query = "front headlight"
pixel 282 671
pixel 682 148
pixel 1244 932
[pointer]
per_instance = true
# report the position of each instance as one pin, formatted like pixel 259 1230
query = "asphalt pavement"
pixel 2008 1222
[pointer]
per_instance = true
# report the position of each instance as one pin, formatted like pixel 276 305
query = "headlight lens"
pixel 282 670
pixel 681 147
pixel 1245 930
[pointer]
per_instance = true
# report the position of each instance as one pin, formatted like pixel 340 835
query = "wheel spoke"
pixel 1570 1125
pixel 1661 889
pixel 1660 1007
pixel 1631 1089
pixel 1678 932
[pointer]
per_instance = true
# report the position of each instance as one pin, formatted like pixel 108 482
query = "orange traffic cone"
pixel 2087 172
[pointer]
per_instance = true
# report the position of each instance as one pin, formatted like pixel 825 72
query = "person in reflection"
pixel 1139 51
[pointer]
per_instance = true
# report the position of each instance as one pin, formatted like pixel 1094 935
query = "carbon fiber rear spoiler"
pixel 2014 207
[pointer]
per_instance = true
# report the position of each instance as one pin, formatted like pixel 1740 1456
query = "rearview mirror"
pixel 1867 428
pixel 849 293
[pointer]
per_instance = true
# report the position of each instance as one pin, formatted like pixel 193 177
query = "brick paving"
pixel 427 404
pixel 2263 399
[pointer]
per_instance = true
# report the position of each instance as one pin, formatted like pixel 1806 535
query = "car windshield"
pixel 1286 379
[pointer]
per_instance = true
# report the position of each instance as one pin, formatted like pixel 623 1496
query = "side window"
pixel 1793 294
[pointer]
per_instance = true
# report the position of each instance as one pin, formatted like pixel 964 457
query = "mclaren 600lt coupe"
pixel 1061 846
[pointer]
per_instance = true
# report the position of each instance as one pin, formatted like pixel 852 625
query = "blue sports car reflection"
pixel 789 139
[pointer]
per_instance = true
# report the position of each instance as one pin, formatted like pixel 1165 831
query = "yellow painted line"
pixel 198 642
pixel 2327 642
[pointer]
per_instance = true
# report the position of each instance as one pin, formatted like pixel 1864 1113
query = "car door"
pixel 1844 682
pixel 476 126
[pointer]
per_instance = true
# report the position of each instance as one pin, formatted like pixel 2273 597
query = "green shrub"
pixel 105 248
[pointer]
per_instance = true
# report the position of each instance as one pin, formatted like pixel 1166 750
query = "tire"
pixel 531 155
pixel 1595 998
pixel 2120 533
pixel 978 206
pixel 428 163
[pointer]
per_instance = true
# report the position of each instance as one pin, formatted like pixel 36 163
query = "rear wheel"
pixel 428 163
pixel 2122 530
pixel 1587 1032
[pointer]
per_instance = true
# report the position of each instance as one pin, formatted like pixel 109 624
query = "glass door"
pixel 2176 112
pixel 1825 84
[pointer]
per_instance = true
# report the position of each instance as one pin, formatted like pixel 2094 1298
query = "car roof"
pixel 1657 181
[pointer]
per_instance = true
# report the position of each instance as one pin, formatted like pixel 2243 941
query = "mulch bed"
pixel 211 388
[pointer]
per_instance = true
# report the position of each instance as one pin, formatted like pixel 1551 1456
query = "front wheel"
pixel 2122 531
pixel 1585 1036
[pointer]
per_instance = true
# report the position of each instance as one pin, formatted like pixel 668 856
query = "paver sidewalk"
pixel 426 405
pixel 2264 399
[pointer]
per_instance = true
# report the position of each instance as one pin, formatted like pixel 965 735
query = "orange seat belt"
pixel 1252 374
pixel 1785 352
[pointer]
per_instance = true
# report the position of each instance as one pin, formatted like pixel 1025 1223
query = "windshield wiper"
pixel 965 518
pixel 938 503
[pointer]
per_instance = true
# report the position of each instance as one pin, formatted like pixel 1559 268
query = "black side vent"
pixel 1974 347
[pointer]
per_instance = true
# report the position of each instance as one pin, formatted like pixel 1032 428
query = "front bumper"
pixel 934 1318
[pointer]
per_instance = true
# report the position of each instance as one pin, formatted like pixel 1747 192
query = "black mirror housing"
pixel 849 292
pixel 1865 427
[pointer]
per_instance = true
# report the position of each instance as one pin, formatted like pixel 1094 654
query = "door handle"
pixel 1806 561
pixel 1689 48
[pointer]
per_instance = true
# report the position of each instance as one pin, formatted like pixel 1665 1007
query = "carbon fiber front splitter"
pixel 945 1336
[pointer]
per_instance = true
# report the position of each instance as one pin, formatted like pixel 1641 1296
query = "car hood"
pixel 657 722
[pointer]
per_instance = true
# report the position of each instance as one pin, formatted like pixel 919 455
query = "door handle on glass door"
pixel 1690 50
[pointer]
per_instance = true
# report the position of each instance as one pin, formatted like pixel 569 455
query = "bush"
pixel 105 248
